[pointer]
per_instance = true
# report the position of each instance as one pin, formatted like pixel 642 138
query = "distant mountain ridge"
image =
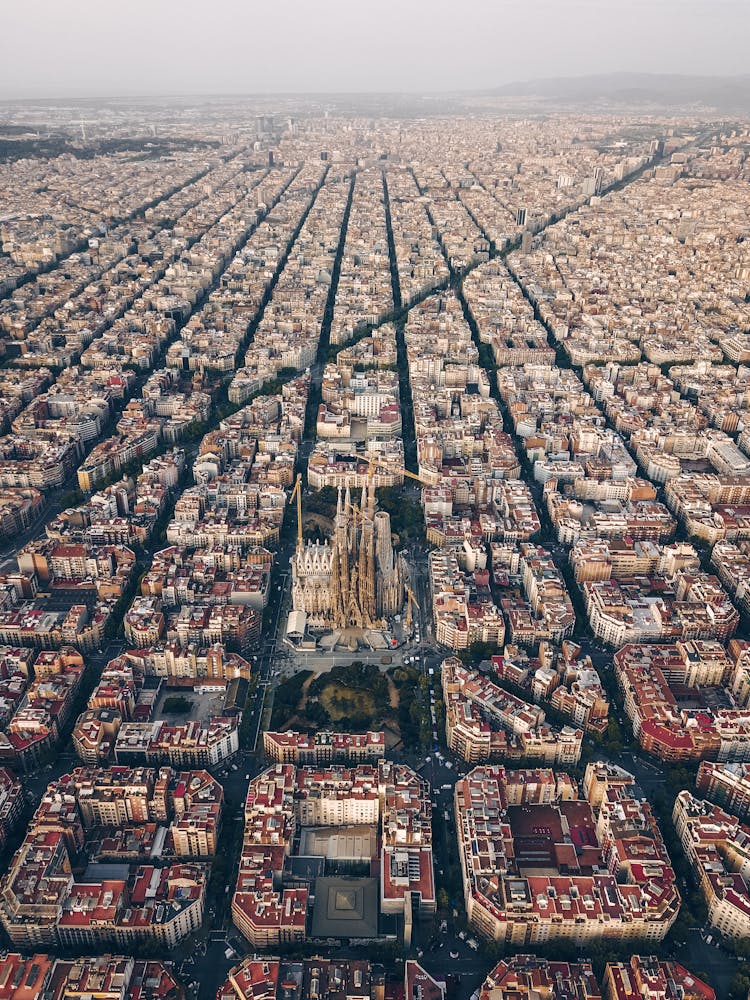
pixel 730 93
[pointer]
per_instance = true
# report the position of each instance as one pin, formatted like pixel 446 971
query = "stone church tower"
pixel 357 581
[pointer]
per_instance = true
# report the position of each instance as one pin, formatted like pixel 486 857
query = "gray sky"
pixel 63 48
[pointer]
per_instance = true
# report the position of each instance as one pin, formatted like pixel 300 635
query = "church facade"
pixel 355 581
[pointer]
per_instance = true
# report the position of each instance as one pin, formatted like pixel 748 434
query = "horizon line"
pixel 421 93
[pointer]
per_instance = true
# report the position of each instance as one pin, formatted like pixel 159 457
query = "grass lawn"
pixel 341 702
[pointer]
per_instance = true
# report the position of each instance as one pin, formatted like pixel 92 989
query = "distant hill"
pixel 727 94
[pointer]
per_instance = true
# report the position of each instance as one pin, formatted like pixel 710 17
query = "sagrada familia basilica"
pixel 357 581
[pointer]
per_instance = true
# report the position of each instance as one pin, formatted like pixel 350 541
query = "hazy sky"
pixel 110 47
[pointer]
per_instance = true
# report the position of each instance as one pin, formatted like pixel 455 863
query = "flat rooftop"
pixel 340 843
pixel 203 706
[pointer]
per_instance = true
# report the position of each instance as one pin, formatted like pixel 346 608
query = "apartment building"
pixel 648 977
pixel 323 747
pixel 485 722
pixel 611 878
pixel 716 847
pixel 192 744
pixel 286 799
pixel 526 976
pixel 42 715
pixel 109 977
pixel 710 719
pixel 11 804
pixel 726 784
pixel 45 904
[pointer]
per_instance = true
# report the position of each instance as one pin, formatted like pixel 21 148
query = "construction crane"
pixel 410 600
pixel 373 464
pixel 297 493
pixel 417 478
pixel 357 513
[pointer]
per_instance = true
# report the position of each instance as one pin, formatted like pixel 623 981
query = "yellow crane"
pixel 417 478
pixel 297 494
pixel 357 513
pixel 410 600
pixel 375 464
